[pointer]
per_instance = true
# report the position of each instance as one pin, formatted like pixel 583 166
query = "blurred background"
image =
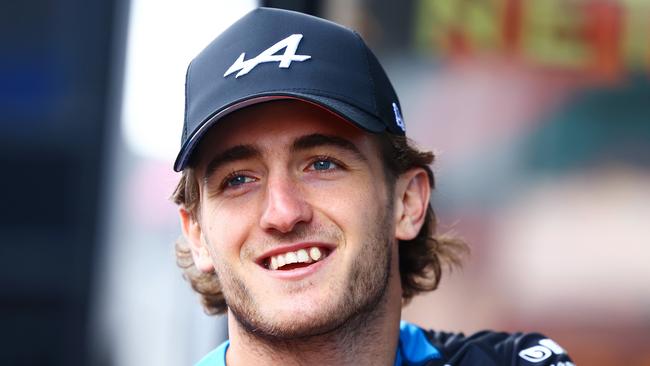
pixel 539 112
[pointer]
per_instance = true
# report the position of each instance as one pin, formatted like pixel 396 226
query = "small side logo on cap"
pixel 398 117
pixel 290 45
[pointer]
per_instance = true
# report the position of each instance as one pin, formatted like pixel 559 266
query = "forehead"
pixel 279 123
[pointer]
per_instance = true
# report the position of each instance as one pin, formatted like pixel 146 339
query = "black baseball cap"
pixel 279 54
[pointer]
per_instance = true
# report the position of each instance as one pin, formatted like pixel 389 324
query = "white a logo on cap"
pixel 290 44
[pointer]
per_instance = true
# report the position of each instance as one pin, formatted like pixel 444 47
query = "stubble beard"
pixel 357 303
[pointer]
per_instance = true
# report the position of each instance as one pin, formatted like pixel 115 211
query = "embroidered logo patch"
pixel 541 352
pixel 290 45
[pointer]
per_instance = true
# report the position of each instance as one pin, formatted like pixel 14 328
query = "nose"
pixel 285 206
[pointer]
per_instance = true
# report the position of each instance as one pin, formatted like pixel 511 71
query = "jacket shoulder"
pixel 499 348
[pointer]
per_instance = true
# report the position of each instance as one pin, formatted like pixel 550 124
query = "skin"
pixel 288 173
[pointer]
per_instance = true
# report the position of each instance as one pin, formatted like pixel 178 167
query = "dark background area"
pixel 56 67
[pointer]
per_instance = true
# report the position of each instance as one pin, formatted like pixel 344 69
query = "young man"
pixel 305 209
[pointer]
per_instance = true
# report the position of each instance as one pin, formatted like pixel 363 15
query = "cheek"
pixel 227 229
pixel 353 207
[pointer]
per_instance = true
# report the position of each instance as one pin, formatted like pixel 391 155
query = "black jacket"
pixel 419 347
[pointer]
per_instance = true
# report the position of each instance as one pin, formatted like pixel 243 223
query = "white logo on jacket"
pixel 540 353
pixel 290 44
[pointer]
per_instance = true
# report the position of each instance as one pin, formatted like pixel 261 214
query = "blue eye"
pixel 238 180
pixel 322 165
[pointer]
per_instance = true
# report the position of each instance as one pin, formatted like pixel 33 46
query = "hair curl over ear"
pixel 422 259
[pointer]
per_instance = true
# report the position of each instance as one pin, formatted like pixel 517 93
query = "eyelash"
pixel 326 158
pixel 226 180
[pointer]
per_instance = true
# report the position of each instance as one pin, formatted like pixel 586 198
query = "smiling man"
pixel 305 210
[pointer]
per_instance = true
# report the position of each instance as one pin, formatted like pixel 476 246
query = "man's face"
pixel 296 218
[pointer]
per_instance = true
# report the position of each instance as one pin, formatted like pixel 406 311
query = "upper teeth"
pixel 309 255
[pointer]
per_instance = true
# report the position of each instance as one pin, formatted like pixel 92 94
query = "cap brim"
pixel 358 117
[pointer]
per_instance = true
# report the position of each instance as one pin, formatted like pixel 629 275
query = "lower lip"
pixel 299 273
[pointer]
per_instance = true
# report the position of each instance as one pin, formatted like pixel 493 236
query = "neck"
pixel 366 339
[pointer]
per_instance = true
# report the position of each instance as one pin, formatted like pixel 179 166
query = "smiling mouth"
pixel 295 259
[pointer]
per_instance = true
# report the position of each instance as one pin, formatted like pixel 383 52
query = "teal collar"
pixel 215 358
pixel 414 348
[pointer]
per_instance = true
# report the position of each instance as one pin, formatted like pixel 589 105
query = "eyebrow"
pixel 317 140
pixel 235 153
pixel 242 152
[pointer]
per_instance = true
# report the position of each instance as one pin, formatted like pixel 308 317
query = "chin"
pixel 298 326
pixel 298 320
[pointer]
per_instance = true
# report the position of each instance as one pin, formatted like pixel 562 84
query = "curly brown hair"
pixel 421 260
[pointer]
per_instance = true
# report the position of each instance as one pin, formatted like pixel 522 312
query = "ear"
pixel 412 200
pixel 194 236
